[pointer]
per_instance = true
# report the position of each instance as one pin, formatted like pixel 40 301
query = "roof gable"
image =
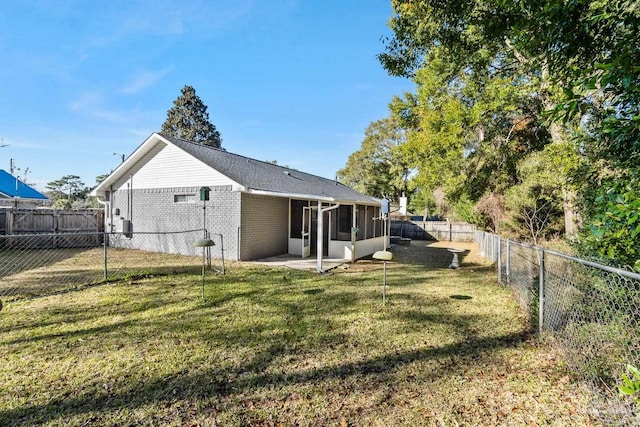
pixel 164 166
pixel 12 187
pixel 251 174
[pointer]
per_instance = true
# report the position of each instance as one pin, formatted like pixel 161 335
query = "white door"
pixel 306 231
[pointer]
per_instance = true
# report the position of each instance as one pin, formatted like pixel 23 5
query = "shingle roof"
pixel 264 176
pixel 23 191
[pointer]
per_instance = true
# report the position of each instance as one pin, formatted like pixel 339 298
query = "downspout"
pixel 130 198
pixel 103 203
pixel 107 206
pixel 104 237
pixel 320 232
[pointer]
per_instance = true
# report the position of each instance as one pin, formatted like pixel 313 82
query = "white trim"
pixel 288 195
pixel 305 197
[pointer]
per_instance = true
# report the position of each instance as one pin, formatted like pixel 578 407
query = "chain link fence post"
pixel 541 292
pixel 508 262
pixel 105 240
pixel 499 240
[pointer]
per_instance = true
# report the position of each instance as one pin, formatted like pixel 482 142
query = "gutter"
pixel 289 195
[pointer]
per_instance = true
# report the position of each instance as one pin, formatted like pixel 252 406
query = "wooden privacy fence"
pixel 51 222
pixel 433 230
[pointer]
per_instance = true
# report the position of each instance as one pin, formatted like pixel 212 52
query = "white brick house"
pixel 259 208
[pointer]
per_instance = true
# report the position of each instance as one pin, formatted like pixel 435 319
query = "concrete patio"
pixel 297 263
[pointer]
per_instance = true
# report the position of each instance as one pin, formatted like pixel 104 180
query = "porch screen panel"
pixel 345 221
pixel 379 224
pixel 361 222
pixel 374 227
pixel 296 217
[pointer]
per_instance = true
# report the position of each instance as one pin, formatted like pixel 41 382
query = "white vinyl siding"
pixel 167 166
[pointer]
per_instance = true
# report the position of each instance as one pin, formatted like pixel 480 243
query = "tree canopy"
pixel 188 119
pixel 525 107
pixel 67 191
pixel 378 168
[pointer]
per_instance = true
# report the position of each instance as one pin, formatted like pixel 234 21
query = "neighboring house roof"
pixel 255 176
pixel 9 189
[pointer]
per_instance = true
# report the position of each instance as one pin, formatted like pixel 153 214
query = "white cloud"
pixel 92 104
pixel 169 18
pixel 86 101
pixel 145 79
pixel 21 143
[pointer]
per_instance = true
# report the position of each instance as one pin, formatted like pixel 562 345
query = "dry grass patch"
pixel 28 273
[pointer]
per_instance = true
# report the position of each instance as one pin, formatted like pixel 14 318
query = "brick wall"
pixel 157 210
pixel 261 222
pixel 265 226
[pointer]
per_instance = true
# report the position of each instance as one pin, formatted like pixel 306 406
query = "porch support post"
pixel 320 233
pixel 319 237
pixel 353 234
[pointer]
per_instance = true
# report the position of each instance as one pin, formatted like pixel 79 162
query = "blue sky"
pixel 295 81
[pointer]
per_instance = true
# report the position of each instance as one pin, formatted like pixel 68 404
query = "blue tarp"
pixel 8 188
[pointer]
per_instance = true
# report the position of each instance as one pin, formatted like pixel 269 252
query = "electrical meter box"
pixel 384 207
pixel 124 226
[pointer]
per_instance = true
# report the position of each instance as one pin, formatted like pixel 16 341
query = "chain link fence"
pixel 591 311
pixel 43 264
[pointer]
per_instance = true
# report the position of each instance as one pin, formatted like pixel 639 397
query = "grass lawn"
pixel 28 273
pixel 271 346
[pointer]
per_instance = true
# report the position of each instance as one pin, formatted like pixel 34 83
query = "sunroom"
pixel 335 230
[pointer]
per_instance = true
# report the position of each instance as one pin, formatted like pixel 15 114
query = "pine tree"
pixel 188 119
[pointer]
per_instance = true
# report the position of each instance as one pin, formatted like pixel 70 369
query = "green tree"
pixel 533 212
pixel 188 119
pixel 436 140
pixel 468 132
pixel 613 209
pixel 534 205
pixel 101 178
pixel 586 48
pixel 482 39
pixel 66 190
pixel 378 168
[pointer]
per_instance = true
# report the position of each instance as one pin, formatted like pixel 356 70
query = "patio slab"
pixel 297 263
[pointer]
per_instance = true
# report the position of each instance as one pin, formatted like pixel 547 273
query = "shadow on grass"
pixel 220 383
pixel 29 256
pixel 284 313
pixel 42 282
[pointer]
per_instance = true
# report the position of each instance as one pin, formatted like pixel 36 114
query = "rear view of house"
pixel 259 209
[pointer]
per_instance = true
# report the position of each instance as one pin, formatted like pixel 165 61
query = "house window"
pixel 184 198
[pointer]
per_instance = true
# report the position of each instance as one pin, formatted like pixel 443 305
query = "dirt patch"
pixel 430 254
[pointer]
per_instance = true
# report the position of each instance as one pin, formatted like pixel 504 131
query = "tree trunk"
pixel 558 135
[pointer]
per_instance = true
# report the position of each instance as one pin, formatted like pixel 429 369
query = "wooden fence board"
pixel 49 221
pixel 434 230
